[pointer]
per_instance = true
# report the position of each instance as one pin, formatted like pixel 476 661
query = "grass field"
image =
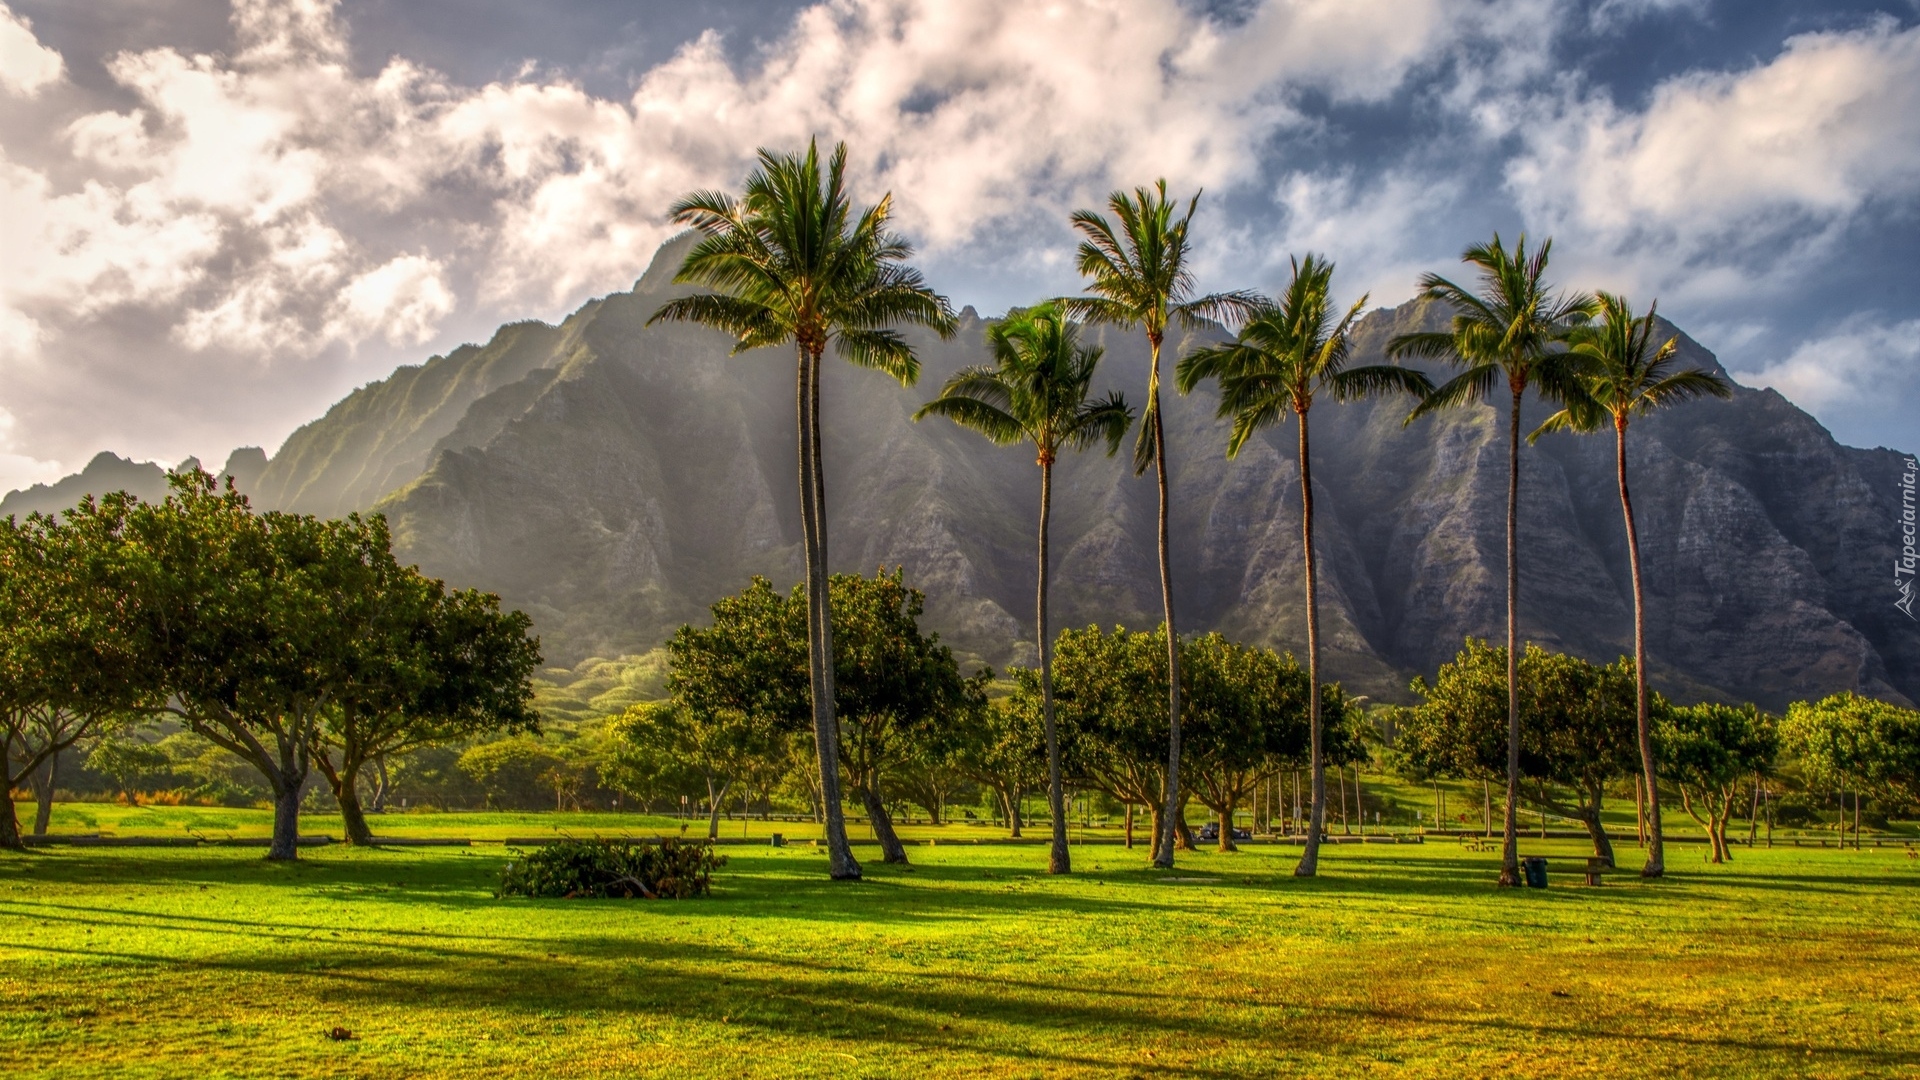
pixel 1400 960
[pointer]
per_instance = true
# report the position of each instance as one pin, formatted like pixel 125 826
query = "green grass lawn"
pixel 1400 960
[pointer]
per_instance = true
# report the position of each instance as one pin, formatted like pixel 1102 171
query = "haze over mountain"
pixel 613 480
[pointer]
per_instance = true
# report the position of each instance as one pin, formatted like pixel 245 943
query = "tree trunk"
pixel 1183 832
pixel 1162 833
pixel 1486 806
pixel 1309 864
pixel 1510 842
pixel 1164 857
pixel 351 816
pixel 1596 830
pixel 1226 828
pixel 714 800
pixel 1058 860
pixel 1640 810
pixel 1656 841
pixel 1129 826
pixel 891 849
pixel 1753 813
pixel 383 785
pixel 1346 824
pixel 1011 801
pixel 9 821
pixel 813 527
pixel 286 821
pixel 44 779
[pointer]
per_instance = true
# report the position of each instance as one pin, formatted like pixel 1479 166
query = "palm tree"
pixel 789 261
pixel 1511 329
pixel 1037 393
pixel 1284 356
pixel 1621 374
pixel 1139 277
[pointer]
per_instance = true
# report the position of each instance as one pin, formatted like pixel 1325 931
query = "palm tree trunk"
pixel 1310 857
pixel 1510 843
pixel 1164 858
pixel 813 528
pixel 1656 850
pixel 1058 862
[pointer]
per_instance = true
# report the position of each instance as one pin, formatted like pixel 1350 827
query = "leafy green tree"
pixel 1620 373
pixel 1710 752
pixel 520 772
pixel 1577 732
pixel 1108 691
pixel 1247 716
pixel 789 261
pixel 894 686
pixel 1138 276
pixel 254 620
pixel 1003 748
pixel 427 667
pixel 72 662
pixel 930 777
pixel 1038 392
pixel 1284 355
pixel 128 763
pixel 1513 329
pixel 721 748
pixel 1851 741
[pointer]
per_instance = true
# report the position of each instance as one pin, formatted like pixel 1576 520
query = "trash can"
pixel 779 840
pixel 1535 868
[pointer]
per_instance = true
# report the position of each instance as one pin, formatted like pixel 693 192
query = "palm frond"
pixel 1100 421
pixel 976 415
pixel 1474 384
pixel 1375 379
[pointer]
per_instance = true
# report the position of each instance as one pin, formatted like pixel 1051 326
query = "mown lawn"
pixel 1400 960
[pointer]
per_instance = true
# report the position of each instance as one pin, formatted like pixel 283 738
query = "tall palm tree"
pixel 1284 356
pixel 790 261
pixel 1138 277
pixel 1038 392
pixel 1513 328
pixel 1621 373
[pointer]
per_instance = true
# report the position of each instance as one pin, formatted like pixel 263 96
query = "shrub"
pixel 666 870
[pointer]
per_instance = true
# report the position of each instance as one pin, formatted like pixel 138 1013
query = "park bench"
pixel 1596 866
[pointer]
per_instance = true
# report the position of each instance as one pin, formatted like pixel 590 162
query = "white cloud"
pixel 21 469
pixel 1727 178
pixel 402 301
pixel 1612 14
pixel 1864 362
pixel 1370 228
pixel 26 66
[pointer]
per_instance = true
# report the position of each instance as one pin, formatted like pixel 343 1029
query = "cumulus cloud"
pixel 272 221
pixel 1857 365
pixel 26 66
pixel 269 204
pixel 1726 176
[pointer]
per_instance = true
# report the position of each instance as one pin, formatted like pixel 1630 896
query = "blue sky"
pixel 225 215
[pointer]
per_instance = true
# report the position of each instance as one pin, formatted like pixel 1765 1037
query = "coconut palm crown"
pixel 1619 373
pixel 1284 355
pixel 790 261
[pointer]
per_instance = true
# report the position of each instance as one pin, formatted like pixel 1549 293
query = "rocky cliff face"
pixel 612 480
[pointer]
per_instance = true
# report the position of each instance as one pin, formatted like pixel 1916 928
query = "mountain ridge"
pixel 613 479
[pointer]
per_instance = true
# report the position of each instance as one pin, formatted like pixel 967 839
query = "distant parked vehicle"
pixel 1211 831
